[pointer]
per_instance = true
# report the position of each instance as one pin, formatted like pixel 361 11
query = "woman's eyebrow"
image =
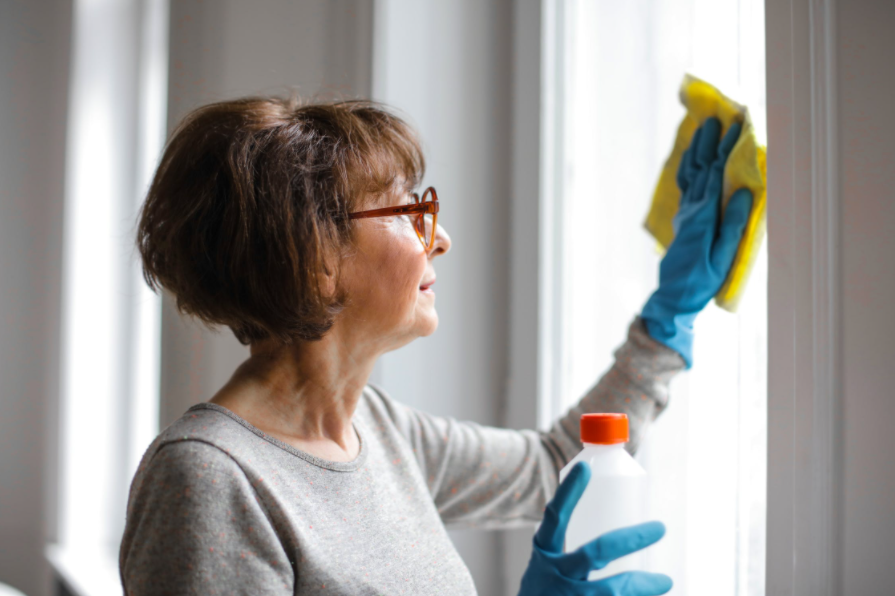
pixel 407 185
pixel 402 197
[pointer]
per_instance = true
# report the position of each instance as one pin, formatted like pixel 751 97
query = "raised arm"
pixel 636 385
pixel 481 476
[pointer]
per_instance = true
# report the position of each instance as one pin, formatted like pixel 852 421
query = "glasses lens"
pixel 428 222
pixel 428 219
pixel 420 225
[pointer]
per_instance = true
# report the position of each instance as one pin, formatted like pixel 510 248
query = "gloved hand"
pixel 552 573
pixel 702 252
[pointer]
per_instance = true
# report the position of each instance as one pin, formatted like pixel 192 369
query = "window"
pixel 612 72
pixel 111 320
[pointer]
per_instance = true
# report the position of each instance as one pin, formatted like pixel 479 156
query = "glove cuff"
pixel 674 330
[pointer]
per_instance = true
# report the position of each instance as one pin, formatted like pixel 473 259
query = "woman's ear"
pixel 328 281
pixel 331 275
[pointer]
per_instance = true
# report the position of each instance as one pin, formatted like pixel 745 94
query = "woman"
pixel 296 227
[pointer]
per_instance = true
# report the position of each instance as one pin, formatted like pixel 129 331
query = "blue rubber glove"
pixel 702 252
pixel 552 573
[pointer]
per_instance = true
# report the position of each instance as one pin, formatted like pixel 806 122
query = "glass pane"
pixel 619 110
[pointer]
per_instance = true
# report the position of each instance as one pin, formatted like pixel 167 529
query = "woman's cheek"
pixel 404 272
pixel 408 256
pixel 394 274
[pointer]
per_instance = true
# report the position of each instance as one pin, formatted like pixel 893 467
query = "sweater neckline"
pixel 336 466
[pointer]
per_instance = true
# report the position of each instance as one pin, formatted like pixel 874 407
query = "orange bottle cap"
pixel 604 429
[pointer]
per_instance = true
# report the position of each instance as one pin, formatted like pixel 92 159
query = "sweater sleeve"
pixel 487 477
pixel 196 526
pixel 636 385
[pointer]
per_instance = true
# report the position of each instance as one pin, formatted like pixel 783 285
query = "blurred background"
pixel 545 124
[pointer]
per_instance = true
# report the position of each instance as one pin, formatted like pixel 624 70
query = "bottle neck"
pixel 604 446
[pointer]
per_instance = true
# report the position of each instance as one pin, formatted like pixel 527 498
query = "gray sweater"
pixel 217 507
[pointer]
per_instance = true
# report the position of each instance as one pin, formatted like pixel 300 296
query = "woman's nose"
pixel 442 242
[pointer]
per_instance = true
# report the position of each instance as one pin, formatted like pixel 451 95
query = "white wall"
pixel 34 47
pixel 866 84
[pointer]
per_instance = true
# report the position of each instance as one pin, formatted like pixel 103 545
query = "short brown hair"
pixel 249 207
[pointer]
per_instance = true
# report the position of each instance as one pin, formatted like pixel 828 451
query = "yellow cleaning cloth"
pixel 746 168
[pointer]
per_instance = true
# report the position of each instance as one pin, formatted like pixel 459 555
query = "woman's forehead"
pixel 398 192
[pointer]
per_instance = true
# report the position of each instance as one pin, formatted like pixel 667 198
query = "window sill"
pixel 85 572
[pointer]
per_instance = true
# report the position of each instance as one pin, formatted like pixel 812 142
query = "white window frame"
pixel 527 403
pixel 109 401
pixel 804 311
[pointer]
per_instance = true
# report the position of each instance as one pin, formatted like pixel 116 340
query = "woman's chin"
pixel 423 327
pixel 429 323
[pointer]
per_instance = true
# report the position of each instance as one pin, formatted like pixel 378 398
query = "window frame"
pixel 119 64
pixel 804 368
pixel 804 306
pixel 719 469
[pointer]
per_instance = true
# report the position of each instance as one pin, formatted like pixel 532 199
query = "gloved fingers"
pixel 729 141
pixel 715 180
pixel 703 152
pixel 598 553
pixel 710 202
pixel 716 173
pixel 683 179
pixel 552 533
pixel 707 150
pixel 634 583
pixel 688 169
pixel 736 216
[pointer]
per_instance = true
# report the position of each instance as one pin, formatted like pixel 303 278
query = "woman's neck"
pixel 304 394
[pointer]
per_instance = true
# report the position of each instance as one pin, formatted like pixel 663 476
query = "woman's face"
pixel 388 279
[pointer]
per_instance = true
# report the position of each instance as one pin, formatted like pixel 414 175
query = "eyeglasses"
pixel 424 213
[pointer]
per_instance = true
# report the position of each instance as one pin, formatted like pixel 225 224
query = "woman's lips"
pixel 424 287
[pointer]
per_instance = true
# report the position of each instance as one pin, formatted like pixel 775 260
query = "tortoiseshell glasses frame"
pixel 420 208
